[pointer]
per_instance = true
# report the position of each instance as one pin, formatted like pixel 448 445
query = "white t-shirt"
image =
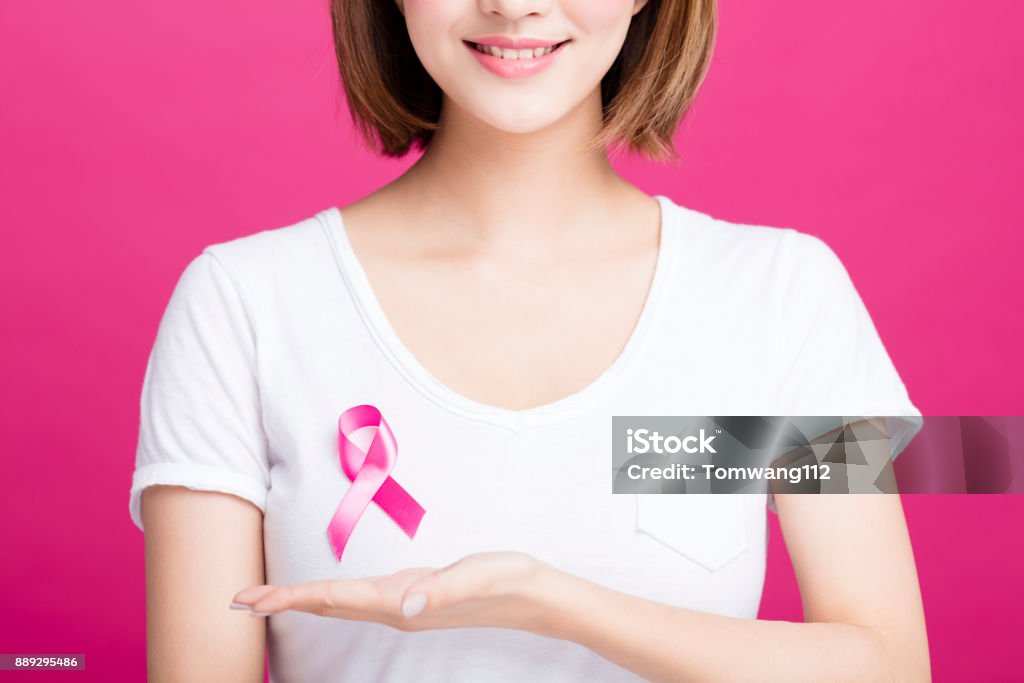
pixel 269 337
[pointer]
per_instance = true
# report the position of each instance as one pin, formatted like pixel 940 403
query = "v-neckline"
pixel 405 361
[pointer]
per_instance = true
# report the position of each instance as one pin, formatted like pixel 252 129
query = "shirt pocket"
pixel 707 529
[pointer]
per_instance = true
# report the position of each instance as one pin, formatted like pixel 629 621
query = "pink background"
pixel 134 134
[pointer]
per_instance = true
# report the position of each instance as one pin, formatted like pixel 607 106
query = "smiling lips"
pixel 514 58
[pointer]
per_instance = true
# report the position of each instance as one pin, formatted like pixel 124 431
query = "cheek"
pixel 595 17
pixel 601 26
pixel 425 20
pixel 438 16
pixel 433 25
pixel 422 6
pixel 424 17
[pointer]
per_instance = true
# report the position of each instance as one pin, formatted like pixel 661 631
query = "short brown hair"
pixel 649 88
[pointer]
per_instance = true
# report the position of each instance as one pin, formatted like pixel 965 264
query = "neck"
pixel 493 186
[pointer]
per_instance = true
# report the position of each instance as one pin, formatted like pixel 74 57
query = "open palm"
pixel 483 589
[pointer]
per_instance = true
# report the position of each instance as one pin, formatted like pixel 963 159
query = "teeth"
pixel 498 52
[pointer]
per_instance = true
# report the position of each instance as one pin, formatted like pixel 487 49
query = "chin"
pixel 517 120
pixel 522 127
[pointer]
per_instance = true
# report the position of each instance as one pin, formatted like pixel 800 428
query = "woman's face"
pixel 543 57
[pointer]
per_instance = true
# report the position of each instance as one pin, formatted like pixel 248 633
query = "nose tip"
pixel 516 9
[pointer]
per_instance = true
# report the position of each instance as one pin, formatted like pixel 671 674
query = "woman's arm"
pixel 862 606
pixel 200 547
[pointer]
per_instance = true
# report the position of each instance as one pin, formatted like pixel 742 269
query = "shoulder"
pixel 754 252
pixel 261 271
pixel 269 250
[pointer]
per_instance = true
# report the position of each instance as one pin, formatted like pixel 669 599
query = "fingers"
pixel 244 598
pixel 374 598
pixel 343 598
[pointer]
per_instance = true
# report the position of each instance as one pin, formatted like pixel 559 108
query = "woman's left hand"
pixel 501 589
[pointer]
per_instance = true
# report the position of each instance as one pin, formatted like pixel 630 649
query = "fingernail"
pixel 414 604
pixel 260 614
pixel 239 605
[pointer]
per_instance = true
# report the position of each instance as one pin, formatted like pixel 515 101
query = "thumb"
pixel 415 598
pixel 426 591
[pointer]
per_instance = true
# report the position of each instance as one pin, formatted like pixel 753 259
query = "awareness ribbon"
pixel 370 474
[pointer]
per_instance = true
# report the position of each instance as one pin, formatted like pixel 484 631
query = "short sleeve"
pixel 200 420
pixel 837 363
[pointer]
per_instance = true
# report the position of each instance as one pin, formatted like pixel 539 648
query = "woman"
pixel 497 304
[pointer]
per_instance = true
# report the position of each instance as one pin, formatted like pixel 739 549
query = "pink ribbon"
pixel 370 474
